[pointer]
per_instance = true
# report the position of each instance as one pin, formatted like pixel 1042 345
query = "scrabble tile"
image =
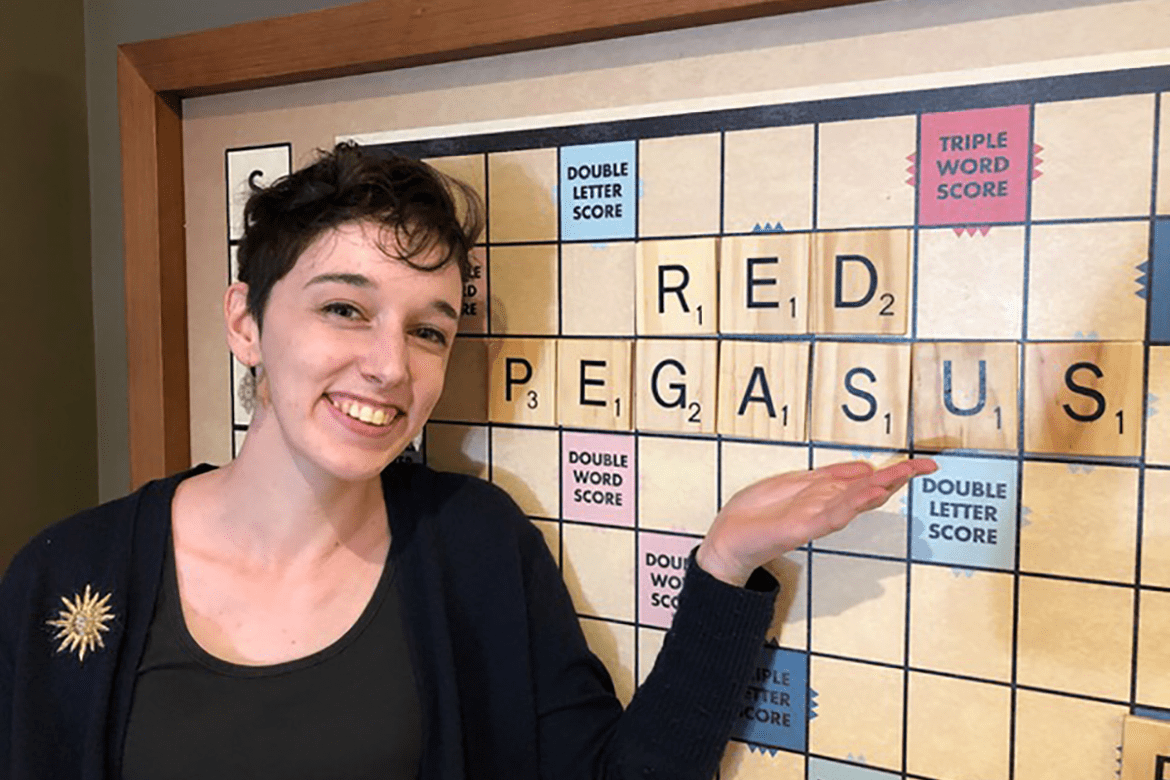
pixel 860 393
pixel 861 282
pixel 594 383
pixel 522 381
pixel 675 383
pixel 1083 398
pixel 461 449
pixel 763 284
pixel 964 395
pixel 763 389
pixel 677 287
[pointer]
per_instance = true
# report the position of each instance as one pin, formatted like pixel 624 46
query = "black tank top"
pixel 348 711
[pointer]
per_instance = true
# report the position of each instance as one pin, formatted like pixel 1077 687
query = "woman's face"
pixel 354 348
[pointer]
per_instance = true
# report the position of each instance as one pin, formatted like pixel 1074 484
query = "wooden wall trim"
pixel 380 35
pixel 156 277
pixel 375 35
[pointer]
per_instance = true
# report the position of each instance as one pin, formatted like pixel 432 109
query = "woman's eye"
pixel 341 309
pixel 433 334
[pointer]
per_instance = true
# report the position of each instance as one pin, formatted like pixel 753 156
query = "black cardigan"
pixel 508 686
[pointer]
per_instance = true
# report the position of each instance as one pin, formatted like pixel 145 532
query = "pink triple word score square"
pixel 975 166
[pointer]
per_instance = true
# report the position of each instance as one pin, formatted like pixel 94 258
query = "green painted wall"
pixel 48 428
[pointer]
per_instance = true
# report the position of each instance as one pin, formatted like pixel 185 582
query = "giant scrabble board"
pixel 665 309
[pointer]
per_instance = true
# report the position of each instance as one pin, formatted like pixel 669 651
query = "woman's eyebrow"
pixel 444 308
pixel 356 280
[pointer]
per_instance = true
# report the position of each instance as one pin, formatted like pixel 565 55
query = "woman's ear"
pixel 243 332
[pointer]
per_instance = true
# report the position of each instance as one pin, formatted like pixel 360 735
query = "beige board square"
pixel 524 290
pixel 1153 661
pixel 1084 398
pixel 526 463
pixel 971 285
pixel 598 286
pixel 598 565
pixel 860 282
pixel 677 481
pixel 880 531
pixel 1164 161
pixel 677 287
pixel 745 463
pixel 768 179
pixel 465 389
pixel 473 317
pixel 789 628
pixel 1096 157
pixel 860 393
pixel 522 381
pixel 1156 529
pixel 1075 637
pixel 675 385
pixel 957 729
pixel 551 531
pixel 649 646
pixel 1145 743
pixel 865 172
pixel 1044 724
pixel 1158 422
pixel 763 389
pixel 594 384
pixel 858 607
pixel 961 621
pixel 965 395
pixel 613 643
pixel 763 284
pixel 522 196
pixel 678 182
pixel 859 712
pixel 741 762
pixel 1079 521
pixel 1082 281
pixel 471 169
pixel 461 449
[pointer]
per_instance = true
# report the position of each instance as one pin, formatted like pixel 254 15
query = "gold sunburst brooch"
pixel 82 623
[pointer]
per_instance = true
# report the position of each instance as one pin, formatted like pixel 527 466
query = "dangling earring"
pixel 246 391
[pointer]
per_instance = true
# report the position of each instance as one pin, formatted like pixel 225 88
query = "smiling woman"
pixel 313 609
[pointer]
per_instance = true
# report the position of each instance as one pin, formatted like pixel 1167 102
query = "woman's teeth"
pixel 366 414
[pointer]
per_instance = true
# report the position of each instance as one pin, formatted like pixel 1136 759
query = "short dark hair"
pixel 418 206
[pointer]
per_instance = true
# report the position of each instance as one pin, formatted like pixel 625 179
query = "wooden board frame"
pixel 155 75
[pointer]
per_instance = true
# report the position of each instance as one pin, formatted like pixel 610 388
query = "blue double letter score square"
pixel 597 187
